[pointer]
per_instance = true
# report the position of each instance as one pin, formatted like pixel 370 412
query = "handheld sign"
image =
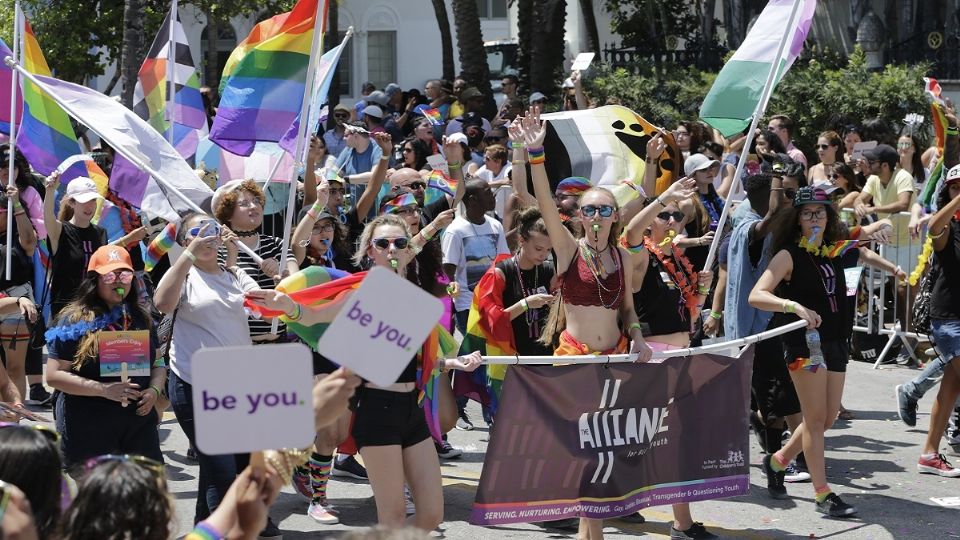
pixel 381 327
pixel 582 61
pixel 438 163
pixel 861 147
pixel 253 398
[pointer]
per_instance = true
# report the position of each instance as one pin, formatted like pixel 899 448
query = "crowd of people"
pixel 562 263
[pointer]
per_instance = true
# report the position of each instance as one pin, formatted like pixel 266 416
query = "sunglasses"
pixel 407 150
pixel 417 185
pixel 823 146
pixel 151 465
pixel 590 210
pixel 677 216
pixel 213 230
pixel 341 116
pixel 125 277
pixel 385 243
pixel 317 229
pixel 834 176
pixel 47 432
pixel 493 139
pixel 905 145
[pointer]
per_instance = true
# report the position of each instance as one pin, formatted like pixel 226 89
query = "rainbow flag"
pixel 397 203
pixel 489 331
pixel 434 116
pixel 46 136
pixel 264 80
pixel 439 186
pixel 439 344
pixel 938 173
pixel 6 77
pixel 159 246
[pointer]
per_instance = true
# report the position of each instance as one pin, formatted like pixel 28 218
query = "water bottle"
pixel 813 343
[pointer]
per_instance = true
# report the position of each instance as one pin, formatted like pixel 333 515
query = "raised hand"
pixel 533 129
pixel 452 151
pixel 656 146
pixel 384 142
pixel 680 190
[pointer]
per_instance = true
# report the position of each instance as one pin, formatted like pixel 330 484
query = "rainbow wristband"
pixel 204 531
pixel 536 156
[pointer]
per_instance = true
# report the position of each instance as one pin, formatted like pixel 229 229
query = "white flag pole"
pixel 11 179
pixel 304 108
pixel 171 90
pixel 757 115
pixel 120 149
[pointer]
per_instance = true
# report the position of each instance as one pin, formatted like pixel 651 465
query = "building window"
pixel 226 42
pixel 382 57
pixel 345 68
pixel 492 9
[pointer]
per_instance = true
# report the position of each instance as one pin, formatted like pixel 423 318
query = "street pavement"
pixel 871 462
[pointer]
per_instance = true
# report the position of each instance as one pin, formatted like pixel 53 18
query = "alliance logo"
pixel 610 428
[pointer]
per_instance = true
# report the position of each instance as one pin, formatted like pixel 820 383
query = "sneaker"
pixel 906 407
pixel 464 423
pixel 635 517
pixel 697 530
pixel 937 465
pixel 191 454
pixel 774 479
pixel 835 507
pixel 905 359
pixel 323 513
pixel 270 531
pixel 408 501
pixel 794 473
pixel 568 524
pixel 446 451
pixel 301 482
pixel 349 467
pixel 38 394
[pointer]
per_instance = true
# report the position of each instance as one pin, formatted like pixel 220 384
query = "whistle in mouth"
pixel 120 291
pixel 394 264
pixel 596 227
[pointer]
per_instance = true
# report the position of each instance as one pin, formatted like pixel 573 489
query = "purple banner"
pixel 605 441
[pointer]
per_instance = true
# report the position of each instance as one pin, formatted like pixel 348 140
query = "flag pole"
pixel 757 114
pixel 318 20
pixel 17 34
pixel 122 150
pixel 171 83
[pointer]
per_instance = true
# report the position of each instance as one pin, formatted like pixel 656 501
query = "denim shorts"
pixel 946 338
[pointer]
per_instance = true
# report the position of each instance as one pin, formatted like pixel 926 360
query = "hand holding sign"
pixel 121 391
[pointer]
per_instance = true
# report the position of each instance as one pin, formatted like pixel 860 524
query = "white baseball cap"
pixel 697 162
pixel 82 189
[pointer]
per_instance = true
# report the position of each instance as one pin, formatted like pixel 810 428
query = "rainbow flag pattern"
pixel 6 77
pixel 574 185
pixel 439 186
pixel 434 116
pixel 45 137
pixel 397 203
pixel 264 80
pixel 159 246
pixel 489 331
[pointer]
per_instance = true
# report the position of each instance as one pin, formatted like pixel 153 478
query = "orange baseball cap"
pixel 109 258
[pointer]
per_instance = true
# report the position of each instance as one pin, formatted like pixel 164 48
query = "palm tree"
pixel 446 40
pixel 590 21
pixel 473 59
pixel 547 47
pixel 130 50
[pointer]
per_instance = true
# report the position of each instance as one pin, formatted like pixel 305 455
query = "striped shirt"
pixel 268 248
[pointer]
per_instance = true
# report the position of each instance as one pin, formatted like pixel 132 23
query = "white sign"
pixel 247 399
pixel 861 147
pixel 852 277
pixel 438 163
pixel 582 61
pixel 381 327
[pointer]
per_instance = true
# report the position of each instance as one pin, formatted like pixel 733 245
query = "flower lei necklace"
pixel 74 331
pixel 128 216
pixel 829 251
pixel 686 281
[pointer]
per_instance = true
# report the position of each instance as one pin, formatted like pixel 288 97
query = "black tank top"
pixel 659 303
pixel 527 326
pixel 817 283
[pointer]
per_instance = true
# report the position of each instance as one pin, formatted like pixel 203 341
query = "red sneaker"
pixel 937 465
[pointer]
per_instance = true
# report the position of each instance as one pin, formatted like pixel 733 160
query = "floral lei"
pixel 128 216
pixel 687 285
pixel 73 332
pixel 829 251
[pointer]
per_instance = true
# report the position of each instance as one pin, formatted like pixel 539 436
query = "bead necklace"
pixel 828 278
pixel 585 253
pixel 686 281
pixel 532 316
pixel 711 201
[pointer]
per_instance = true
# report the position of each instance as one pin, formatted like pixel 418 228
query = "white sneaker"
pixel 323 512
pixel 793 473
pixel 408 499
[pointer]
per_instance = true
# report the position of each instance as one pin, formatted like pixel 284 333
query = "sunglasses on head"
pixel 590 210
pixel 677 216
pixel 385 243
pixel 151 465
pixel 125 277
pixel 49 433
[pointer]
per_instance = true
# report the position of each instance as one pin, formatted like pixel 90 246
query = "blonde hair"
pixel 367 235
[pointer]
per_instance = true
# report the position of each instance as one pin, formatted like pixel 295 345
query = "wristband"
pixel 191 256
pixel 633 325
pixel 517 145
pixel 204 531
pixel 524 305
pixel 703 290
pixel 519 162
pixel 297 314
pixel 935 236
pixel 659 200
pixel 789 307
pixel 454 165
pixel 716 314
pixel 952 131
pixel 442 365
pixel 536 155
pixel 384 158
pixel 17 205
pixel 425 234
pixel 155 389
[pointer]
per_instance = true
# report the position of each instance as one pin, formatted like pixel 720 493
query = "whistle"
pixel 394 264
pixel 121 291
pixel 670 234
pixel 596 227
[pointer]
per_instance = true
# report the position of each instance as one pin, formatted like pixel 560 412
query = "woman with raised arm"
pixel 594 284
pixel 390 428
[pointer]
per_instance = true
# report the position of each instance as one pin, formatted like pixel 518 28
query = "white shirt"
pixel 472 248
pixel 501 193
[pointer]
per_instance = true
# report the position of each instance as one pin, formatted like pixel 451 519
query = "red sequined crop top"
pixel 580 288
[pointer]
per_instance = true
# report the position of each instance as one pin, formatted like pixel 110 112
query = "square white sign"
pixel 582 61
pixel 247 399
pixel 381 327
pixel 438 163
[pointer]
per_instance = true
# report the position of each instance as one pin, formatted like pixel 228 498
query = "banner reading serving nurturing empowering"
pixel 605 441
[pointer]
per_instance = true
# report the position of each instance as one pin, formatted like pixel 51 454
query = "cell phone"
pixel 212 230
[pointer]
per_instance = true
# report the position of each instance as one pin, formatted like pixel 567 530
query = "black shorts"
pixel 323 365
pixel 385 418
pixel 772 389
pixel 836 354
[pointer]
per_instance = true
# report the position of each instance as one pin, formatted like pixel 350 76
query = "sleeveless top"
pixel 817 283
pixel 659 303
pixel 580 288
pixel 527 326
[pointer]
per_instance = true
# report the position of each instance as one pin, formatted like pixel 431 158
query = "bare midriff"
pixel 594 326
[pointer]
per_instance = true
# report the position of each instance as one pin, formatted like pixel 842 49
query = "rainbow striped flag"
pixel 489 331
pixel 264 80
pixel 6 77
pixel 397 203
pixel 446 184
pixel 159 246
pixel 434 116
pixel 45 137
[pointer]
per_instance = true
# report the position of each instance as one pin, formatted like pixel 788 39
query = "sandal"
pixel 845 415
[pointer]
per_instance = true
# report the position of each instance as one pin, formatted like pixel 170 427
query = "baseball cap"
pixel 374 111
pixel 953 174
pixel 109 258
pixel 341 107
pixel 698 162
pixel 392 89
pixel 883 153
pixel 810 195
pixel 567 83
pixel 829 188
pixel 367 86
pixel 471 119
pixel 537 96
pixel 82 189
pixel 377 97
pixel 457 138
pixel 470 92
